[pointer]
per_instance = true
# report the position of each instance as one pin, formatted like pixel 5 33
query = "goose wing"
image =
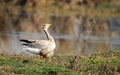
pixel 35 43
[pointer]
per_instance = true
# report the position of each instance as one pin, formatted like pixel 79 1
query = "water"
pixel 9 43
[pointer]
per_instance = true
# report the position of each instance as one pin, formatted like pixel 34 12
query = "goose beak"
pixel 49 25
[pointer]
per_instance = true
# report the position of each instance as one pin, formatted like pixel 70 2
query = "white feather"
pixel 32 50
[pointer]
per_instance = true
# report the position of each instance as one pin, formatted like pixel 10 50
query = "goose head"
pixel 46 26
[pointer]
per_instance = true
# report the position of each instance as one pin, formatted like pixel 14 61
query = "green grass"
pixel 30 66
pixel 107 63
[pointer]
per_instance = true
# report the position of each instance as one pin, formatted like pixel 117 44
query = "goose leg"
pixel 41 57
pixel 49 59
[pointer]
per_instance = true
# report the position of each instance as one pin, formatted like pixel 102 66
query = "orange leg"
pixel 41 57
pixel 49 59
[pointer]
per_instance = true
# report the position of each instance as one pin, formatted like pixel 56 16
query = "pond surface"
pixel 9 43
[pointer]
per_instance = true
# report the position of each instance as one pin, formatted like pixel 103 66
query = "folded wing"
pixel 35 43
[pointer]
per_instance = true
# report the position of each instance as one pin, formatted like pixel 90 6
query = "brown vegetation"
pixel 87 17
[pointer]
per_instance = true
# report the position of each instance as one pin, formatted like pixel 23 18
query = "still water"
pixel 10 44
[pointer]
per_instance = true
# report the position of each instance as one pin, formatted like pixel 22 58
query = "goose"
pixel 43 48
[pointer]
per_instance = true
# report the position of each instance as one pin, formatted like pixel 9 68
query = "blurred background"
pixel 79 26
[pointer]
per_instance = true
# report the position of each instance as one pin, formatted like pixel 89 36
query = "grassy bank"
pixel 107 63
